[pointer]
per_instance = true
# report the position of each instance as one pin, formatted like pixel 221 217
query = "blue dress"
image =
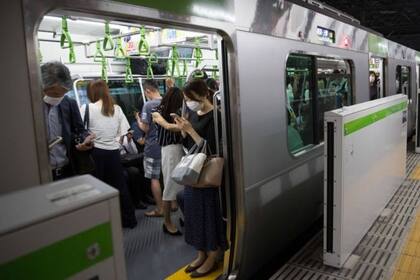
pixel 205 229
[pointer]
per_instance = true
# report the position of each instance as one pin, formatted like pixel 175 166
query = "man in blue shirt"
pixel 63 121
pixel 152 154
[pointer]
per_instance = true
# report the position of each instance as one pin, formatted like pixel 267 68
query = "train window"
pixel 299 81
pixel 314 85
pixel 402 80
pixel 334 87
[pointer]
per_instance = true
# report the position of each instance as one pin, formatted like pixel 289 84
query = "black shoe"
pixel 141 205
pixel 191 268
pixel 181 222
pixel 176 233
pixel 196 274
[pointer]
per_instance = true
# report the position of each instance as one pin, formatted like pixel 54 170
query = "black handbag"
pixel 129 160
pixel 83 160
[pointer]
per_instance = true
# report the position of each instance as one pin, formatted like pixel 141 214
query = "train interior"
pixel 124 53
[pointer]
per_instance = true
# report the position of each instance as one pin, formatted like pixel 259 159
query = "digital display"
pixel 326 35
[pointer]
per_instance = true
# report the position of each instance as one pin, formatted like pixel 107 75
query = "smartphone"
pixel 56 141
pixel 173 115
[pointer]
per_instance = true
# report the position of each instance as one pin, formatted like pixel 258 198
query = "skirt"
pixel 171 156
pixel 205 229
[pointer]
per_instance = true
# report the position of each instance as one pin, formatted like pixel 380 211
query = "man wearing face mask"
pixel 63 120
pixel 152 149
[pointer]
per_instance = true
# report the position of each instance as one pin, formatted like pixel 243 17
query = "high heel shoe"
pixel 196 274
pixel 176 233
pixel 191 268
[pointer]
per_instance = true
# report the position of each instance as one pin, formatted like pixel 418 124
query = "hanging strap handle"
pixel 174 61
pixel 144 48
pixel 184 68
pixel 198 54
pixel 198 74
pixel 108 43
pixel 98 53
pixel 65 40
pixel 104 73
pixel 119 51
pixel 128 73
pixel 150 60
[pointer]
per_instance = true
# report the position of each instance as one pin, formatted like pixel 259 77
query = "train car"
pixel 280 65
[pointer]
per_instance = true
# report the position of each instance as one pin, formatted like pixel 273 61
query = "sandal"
pixel 153 213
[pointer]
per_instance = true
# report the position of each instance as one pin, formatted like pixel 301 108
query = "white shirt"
pixel 108 130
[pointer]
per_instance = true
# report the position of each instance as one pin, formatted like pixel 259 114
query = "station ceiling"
pixel 397 20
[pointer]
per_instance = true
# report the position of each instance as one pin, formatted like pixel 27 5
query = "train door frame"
pixel 417 134
pixel 33 14
pixel 383 87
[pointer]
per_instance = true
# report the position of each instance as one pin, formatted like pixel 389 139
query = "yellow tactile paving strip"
pixel 415 175
pixel 181 275
pixel 408 263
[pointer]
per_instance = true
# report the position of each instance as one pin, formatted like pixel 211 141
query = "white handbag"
pixel 188 170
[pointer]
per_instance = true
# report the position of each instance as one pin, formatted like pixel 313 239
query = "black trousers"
pixel 108 168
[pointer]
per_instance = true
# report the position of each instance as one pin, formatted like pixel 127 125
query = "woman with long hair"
pixel 204 227
pixel 170 140
pixel 108 122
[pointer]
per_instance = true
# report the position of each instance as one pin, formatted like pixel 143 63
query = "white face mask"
pixel 194 105
pixel 53 101
pixel 371 79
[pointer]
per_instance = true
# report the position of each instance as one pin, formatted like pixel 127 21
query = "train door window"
pixel 334 87
pixel 299 95
pixel 376 78
pixel 402 80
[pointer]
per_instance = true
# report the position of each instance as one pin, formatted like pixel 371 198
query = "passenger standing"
pixel 373 86
pixel 170 140
pixel 109 123
pixel 204 227
pixel 152 153
pixel 62 118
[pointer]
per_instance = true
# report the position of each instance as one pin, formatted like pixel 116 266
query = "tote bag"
pixel 188 170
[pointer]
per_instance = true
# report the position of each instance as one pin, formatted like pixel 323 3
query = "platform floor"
pixel 390 249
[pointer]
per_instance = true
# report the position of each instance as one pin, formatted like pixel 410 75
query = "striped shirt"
pixel 167 137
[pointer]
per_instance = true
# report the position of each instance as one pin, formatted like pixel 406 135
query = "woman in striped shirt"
pixel 170 140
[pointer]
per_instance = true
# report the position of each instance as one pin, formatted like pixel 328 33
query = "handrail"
pixel 108 42
pixel 104 73
pixel 185 69
pixel 144 48
pixel 66 38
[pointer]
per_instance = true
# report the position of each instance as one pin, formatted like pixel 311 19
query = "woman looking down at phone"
pixel 170 140
pixel 204 227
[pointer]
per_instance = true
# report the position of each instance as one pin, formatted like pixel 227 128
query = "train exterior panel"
pixel 276 195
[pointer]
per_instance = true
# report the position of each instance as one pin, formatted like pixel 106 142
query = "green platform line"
pixel 357 124
pixel 63 258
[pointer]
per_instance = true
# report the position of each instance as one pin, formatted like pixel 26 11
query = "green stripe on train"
pixel 362 122
pixel 63 258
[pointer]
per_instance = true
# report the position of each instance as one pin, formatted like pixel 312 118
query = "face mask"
pixel 372 79
pixel 194 105
pixel 53 101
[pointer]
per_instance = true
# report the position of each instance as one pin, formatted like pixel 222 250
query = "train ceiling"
pixel 396 20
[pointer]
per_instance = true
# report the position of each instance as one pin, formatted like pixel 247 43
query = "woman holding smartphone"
pixel 170 140
pixel 204 227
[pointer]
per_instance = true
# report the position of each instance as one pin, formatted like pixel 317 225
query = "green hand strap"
pixel 143 47
pixel 98 54
pixel 104 73
pixel 174 60
pixel 119 51
pixel 152 59
pixel 214 74
pixel 185 68
pixel 128 74
pixel 108 41
pixel 198 54
pixel 65 40
pixel 198 74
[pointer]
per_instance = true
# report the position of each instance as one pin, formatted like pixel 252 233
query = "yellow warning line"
pixel 415 174
pixel 408 263
pixel 181 275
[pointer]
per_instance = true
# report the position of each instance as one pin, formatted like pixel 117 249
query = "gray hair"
pixel 55 73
